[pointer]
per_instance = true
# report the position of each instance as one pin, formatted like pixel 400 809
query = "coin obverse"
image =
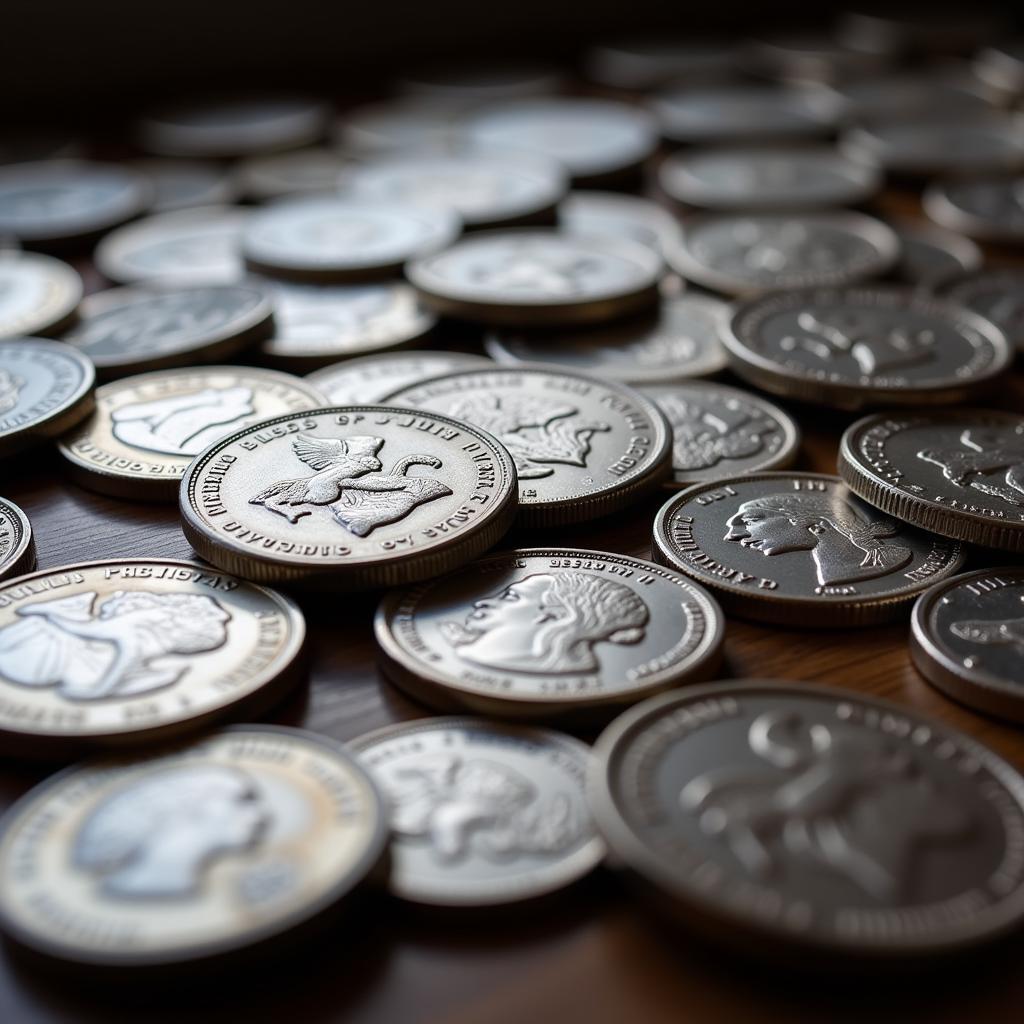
pixel 798 820
pixel 996 294
pixel 987 208
pixel 199 852
pixel 17 547
pixel 38 294
pixel 388 496
pixel 549 633
pixel 482 814
pixel 799 549
pixel 147 429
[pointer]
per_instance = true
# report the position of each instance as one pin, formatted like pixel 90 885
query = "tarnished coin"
pixel 545 633
pixel 349 497
pixel 929 256
pixel 644 63
pixel 38 294
pixel 528 277
pixel 303 171
pixel 742 253
pixel 181 184
pixel 147 429
pixel 583 447
pixel 988 208
pixel 482 814
pixel 799 549
pixel 812 821
pixel 17 547
pixel 129 330
pixel 956 472
pixel 46 387
pixel 590 213
pixel 196 852
pixel 946 89
pixel 997 295
pixel 858 347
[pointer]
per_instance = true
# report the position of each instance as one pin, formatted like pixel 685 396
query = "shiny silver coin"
pixel 590 213
pixel 17 546
pixel 548 633
pixel 946 89
pixel 304 171
pixel 407 124
pixel 930 257
pixel 482 814
pixel 989 208
pixel 812 821
pixel 743 254
pixel 997 295
pixel 645 63
pixel 38 294
pixel 807 56
pixel 856 347
pixel 483 83
pixel 1001 66
pixel 181 184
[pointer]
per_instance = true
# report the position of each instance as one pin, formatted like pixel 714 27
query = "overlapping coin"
pixel 988 208
pixel 930 257
pixel 589 212
pixel 17 546
pixel 38 294
pixel 996 294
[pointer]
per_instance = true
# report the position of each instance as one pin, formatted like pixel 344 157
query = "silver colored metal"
pixel 590 213
pixel 989 208
pixel 38 294
pixel 17 545
pixel 182 184
pixel 996 294
pixel 300 172
pixel 645 63
pixel 930 256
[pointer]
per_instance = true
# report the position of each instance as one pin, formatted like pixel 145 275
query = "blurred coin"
pixel 931 256
pixel 24 143
pixel 17 546
pixel 38 294
pixel 807 56
pixel 997 295
pixel 261 178
pixel 990 208
pixel 1002 66
pixel 881 29
pixel 482 814
pixel 799 549
pixel 644 63
pixel 407 124
pixel 192 853
pixel 180 184
pixel 948 89
pixel 548 633
pixel 483 83
pixel 588 213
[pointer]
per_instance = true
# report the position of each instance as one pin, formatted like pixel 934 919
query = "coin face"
pixel 46 387
pixel 533 277
pixel 481 813
pixel 956 472
pixel 147 429
pixel 997 295
pixel 349 498
pixel 583 447
pixel 38 294
pixel 17 548
pixel 988 208
pixel 544 633
pixel 813 819
pixel 303 171
pixel 180 184
pixel 865 346
pixel 197 851
pixel 929 256
pixel 799 548
pixel 127 330
pixel 741 254
pixel 589 212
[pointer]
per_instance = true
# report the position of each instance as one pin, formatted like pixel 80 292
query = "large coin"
pixel 304 171
pixel 38 294
pixel 349 498
pixel 544 633
pixel 800 549
pixel 147 429
pixel 865 346
pixel 196 852
pixel 583 447
pixel 482 814
pixel 996 294
pixel 988 208
pixel 956 472
pixel 930 256
pixel 589 212
pixel 811 821
pixel 17 547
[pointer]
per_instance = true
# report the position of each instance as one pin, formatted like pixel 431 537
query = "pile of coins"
pixel 513 299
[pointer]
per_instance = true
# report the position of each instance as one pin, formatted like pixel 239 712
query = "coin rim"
pixel 940 208
pixel 22 559
pixel 61 314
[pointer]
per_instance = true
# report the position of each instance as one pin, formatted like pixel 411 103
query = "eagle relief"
pixel 988 461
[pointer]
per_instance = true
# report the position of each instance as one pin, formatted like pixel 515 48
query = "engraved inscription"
pixel 989 461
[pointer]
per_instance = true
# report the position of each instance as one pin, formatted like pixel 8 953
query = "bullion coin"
pixel 644 63
pixel 180 184
pixel 812 822
pixel 482 814
pixel 930 256
pixel 193 853
pixel 990 208
pixel 17 547
pixel 589 212
pixel 549 633
pixel 799 549
pixel 304 171
pixel 996 294
pixel 38 294
pixel 583 447
pixel 349 497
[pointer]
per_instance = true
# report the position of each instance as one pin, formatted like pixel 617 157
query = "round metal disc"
pixel 996 294
pixel 304 171
pixel 987 208
pixel 929 256
pixel 17 546
pixel 590 213
pixel 182 184
pixel 38 294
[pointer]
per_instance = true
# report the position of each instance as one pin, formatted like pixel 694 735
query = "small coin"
pixel 956 472
pixel 482 814
pixel 858 347
pixel 645 63
pixel 812 821
pixel 929 256
pixel 748 253
pixel 528 277
pixel 907 95
pixel 181 184
pixel 262 178
pixel 588 213
pixel 472 85
pixel 799 549
pixel 583 447
pixel 988 208
pixel 348 522
pixel 406 124
pixel 147 429
pixel 46 387
pixel 997 295
pixel 17 546
pixel 546 633
pixel 1001 66
pixel 195 852
pixel 129 330
pixel 38 294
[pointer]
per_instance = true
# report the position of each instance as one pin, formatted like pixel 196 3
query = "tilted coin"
pixel 589 212
pixel 38 294
pixel 46 387
pixel 643 63
pixel 406 124
pixel 261 178
pixel 180 184
pixel 988 208
pixel 17 546
pixel 528 277
pixel 129 330
pixel 856 347
pixel 482 83
pixel 447 495
pixel 996 294
pixel 812 821
pixel 147 429
pixel 545 633
pixel 956 472
pixel 1001 65
pixel 949 89
pixel 482 814
pixel 583 447
pixel 799 549
pixel 740 253
pixel 198 851
pixel 930 256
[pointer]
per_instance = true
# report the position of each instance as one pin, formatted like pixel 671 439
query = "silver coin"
pixel 17 546
pixel 647 62
pixel 997 295
pixel 808 56
pixel 546 633
pixel 589 213
pixel 24 144
pixel 38 294
pixel 1001 66
pixel 812 821
pixel 181 184
pixel 856 347
pixel 261 178
pixel 907 95
pixel 930 256
pixel 988 208
pixel 748 253
pixel 490 82
pixel 482 814
pixel 406 124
